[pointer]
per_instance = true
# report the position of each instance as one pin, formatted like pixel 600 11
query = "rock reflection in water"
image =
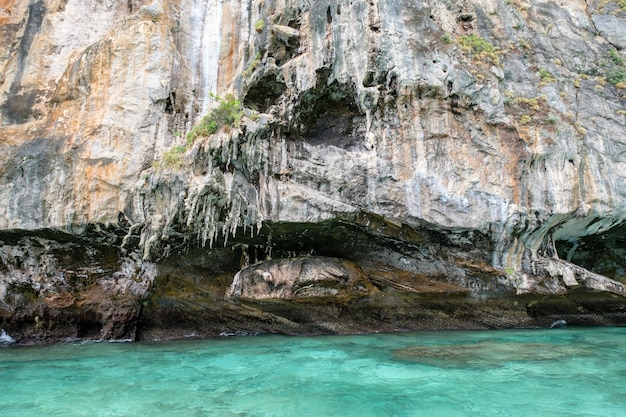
pixel 488 354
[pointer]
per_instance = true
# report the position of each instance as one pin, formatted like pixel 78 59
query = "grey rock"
pixel 612 28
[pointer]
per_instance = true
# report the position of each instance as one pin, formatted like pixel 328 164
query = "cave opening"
pixel 329 115
pixel 264 93
pixel 603 253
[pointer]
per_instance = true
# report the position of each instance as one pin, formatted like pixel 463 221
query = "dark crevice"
pixel 603 253
pixel 264 93
pixel 169 103
pixel 284 49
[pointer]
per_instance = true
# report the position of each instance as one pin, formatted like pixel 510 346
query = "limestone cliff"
pixel 395 164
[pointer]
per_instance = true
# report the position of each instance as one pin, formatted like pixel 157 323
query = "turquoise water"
pixel 558 372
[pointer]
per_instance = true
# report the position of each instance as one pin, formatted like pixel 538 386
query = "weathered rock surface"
pixel 300 278
pixel 399 165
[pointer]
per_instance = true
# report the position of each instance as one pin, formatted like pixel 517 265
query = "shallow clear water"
pixel 558 372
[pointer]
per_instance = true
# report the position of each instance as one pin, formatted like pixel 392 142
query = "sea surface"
pixel 556 372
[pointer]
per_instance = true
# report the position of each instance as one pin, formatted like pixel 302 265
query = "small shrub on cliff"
pixel 252 66
pixel 546 77
pixel 616 75
pixel 227 113
pixel 480 47
pixel 172 159
pixel 616 72
pixel 552 119
pixel 524 44
pixel 615 57
pixel 532 102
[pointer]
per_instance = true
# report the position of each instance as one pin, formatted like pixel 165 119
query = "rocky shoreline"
pixel 360 283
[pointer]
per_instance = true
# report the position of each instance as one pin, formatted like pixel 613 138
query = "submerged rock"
pixel 488 354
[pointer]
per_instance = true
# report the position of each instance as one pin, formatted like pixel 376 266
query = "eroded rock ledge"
pixel 358 274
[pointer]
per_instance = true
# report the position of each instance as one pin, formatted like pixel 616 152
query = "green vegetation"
pixel 552 119
pixel 446 38
pixel 252 66
pixel 616 72
pixel 530 109
pixel 615 57
pixel 227 113
pixel 480 47
pixel 524 43
pixel 533 103
pixel 616 75
pixel 546 77
pixel 172 159
pixel 259 25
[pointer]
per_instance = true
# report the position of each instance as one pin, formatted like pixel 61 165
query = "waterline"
pixel 559 372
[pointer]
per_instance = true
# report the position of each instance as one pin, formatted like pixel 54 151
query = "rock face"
pixel 299 278
pixel 397 165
